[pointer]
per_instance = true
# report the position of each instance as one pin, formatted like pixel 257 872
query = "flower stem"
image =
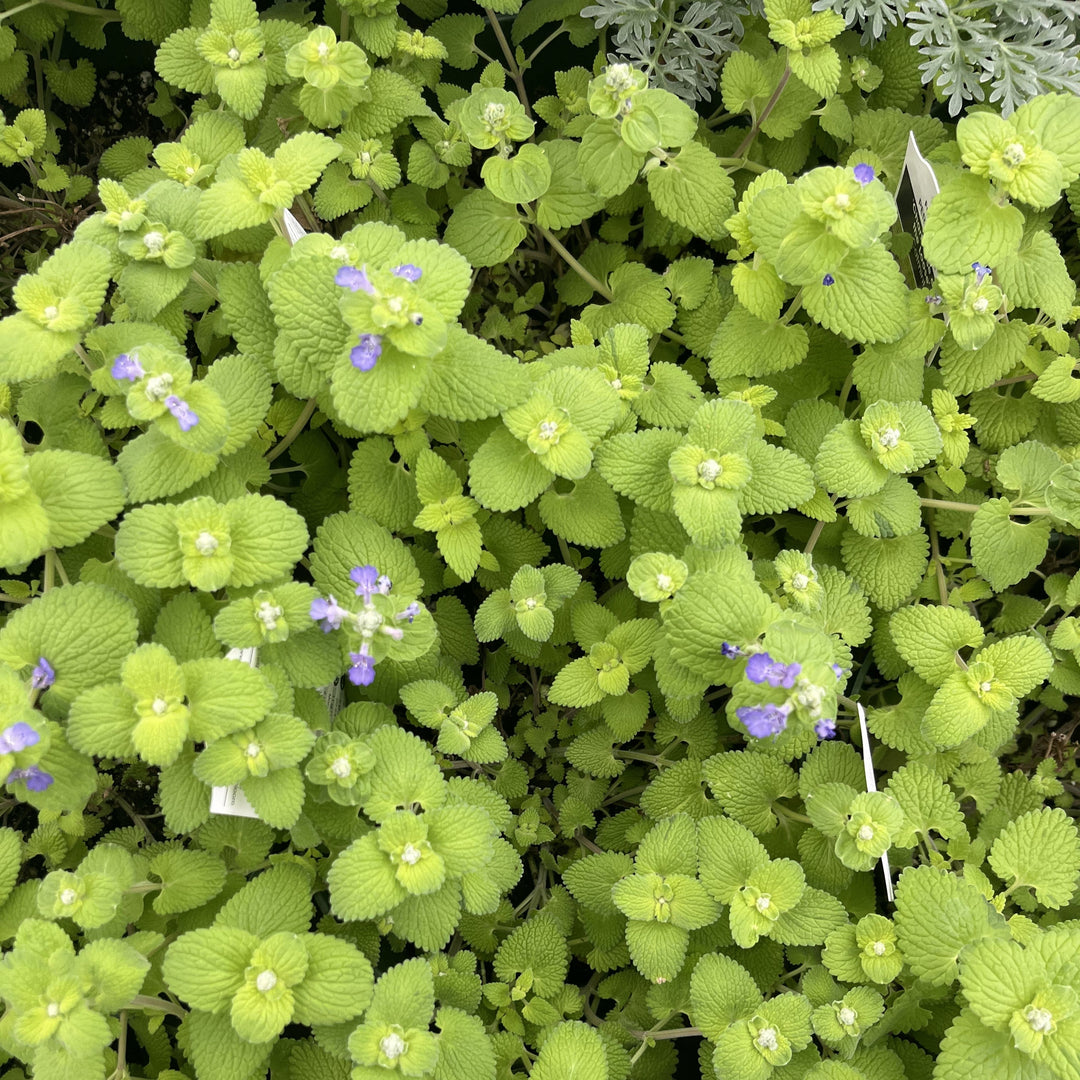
pixel 291 435
pixel 511 63
pixel 574 265
pixel 752 134
pixel 144 1001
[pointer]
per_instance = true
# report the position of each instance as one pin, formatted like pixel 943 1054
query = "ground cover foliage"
pixel 561 390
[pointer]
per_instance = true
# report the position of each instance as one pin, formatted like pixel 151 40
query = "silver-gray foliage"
pixel 680 45
pixel 1016 48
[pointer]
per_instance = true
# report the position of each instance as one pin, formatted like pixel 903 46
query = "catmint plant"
pixel 540 541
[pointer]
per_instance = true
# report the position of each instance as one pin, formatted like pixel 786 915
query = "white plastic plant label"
pixel 871 785
pixel 231 800
pixel 293 229
pixel 918 185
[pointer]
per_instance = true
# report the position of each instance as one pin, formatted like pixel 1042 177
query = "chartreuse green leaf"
pixel 937 915
pixel 930 639
pixel 246 541
pixel 572 1049
pixel 1039 850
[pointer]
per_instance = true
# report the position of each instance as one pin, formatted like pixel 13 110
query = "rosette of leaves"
pixel 396 1039
pixel 236 55
pixel 976 698
pixel 160 705
pixel 524 614
pixel 463 721
pixel 58 1001
pixel 663 900
pixel 821 235
pixel 1022 1010
pixel 842 1022
pixel 765 897
pixel 865 951
pixel 551 434
pixel 55 306
pixel 276 619
pixel 410 868
pixel 208 544
pixel 1029 157
pixel 51 498
pixel 335 75
pixel 264 982
pixel 263 758
pixel 465 378
pixel 752 1036
pixel 721 469
pixel 862 824
pixel 251 188
pixel 338 767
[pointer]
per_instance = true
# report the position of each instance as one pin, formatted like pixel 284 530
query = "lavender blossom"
pixel 365 354
pixel 18 737
pixel 825 728
pixel 43 675
pixel 127 366
pixel 864 173
pixel 354 279
pixel 761 667
pixel 407 271
pixel 761 721
pixel 409 613
pixel 361 667
pixel 366 580
pixel 185 417
pixel 327 613
pixel 36 779
pixel 729 651
pixel 828 279
pixel 980 272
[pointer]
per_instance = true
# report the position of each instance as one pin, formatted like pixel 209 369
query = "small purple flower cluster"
pixel 365 354
pixel 980 272
pixel 43 676
pixel 367 622
pixel 126 367
pixel 17 737
pixel 762 721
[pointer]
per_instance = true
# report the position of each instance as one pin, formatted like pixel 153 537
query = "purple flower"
pixel 761 721
pixel 127 366
pixel 18 737
pixel 182 411
pixel 407 271
pixel 354 279
pixel 729 651
pixel 864 173
pixel 366 580
pixel 361 668
pixel 838 671
pixel 980 271
pixel 825 728
pixel 36 779
pixel 828 279
pixel 933 299
pixel 761 667
pixel 367 352
pixel 42 675
pixel 409 613
pixel 327 613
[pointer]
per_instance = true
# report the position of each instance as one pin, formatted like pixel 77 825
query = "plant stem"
pixel 769 106
pixel 574 265
pixel 935 552
pixel 669 1033
pixel 204 284
pixel 144 1001
pixel 5 599
pixel 121 1049
pixel 814 535
pixel 542 46
pixel 290 436
pixel 511 63
pixel 734 164
pixel 1024 511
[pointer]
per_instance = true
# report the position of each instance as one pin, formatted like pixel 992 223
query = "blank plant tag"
pixel 871 785
pixel 918 185
pixel 231 800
